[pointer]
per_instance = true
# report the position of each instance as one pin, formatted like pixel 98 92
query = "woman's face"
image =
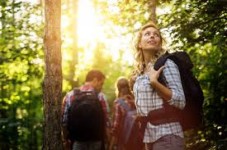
pixel 150 39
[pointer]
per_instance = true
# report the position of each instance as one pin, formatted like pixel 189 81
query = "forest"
pixel 48 46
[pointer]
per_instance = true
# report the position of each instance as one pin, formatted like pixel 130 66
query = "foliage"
pixel 196 26
pixel 21 71
pixel 98 53
pixel 126 14
pixel 199 27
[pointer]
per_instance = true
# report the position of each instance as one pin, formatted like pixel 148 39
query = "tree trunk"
pixel 52 87
pixel 153 4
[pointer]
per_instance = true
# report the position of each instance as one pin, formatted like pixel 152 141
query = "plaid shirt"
pixel 70 96
pixel 120 112
pixel 147 99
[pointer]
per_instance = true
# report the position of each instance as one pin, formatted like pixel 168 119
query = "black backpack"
pixel 192 115
pixel 86 117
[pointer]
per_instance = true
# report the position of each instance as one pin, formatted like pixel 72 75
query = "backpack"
pixel 129 132
pixel 191 116
pixel 86 117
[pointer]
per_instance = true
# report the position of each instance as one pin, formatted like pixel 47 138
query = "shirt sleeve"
pixel 116 118
pixel 65 108
pixel 105 107
pixel 173 80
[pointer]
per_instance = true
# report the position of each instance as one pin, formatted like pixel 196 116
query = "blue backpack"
pixel 130 130
pixel 128 122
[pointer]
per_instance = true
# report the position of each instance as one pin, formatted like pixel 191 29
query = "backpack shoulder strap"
pixel 123 104
pixel 78 92
pixel 181 58
pixel 161 61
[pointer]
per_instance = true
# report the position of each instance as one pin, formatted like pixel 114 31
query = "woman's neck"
pixel 149 58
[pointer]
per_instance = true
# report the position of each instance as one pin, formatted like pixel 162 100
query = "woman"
pixel 124 116
pixel 150 94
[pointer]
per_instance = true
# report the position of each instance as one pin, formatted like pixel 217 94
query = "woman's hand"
pixel 154 75
pixel 162 91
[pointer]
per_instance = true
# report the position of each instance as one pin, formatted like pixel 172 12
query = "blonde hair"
pixel 140 64
pixel 139 58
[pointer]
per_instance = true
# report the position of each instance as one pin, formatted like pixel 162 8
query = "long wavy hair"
pixel 139 57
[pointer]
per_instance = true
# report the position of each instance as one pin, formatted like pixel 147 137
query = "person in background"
pixel 122 105
pixel 94 82
pixel 150 94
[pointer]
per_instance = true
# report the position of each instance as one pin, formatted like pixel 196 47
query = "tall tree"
pixel 153 5
pixel 52 87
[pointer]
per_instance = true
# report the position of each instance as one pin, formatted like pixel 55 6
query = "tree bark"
pixel 153 4
pixel 52 87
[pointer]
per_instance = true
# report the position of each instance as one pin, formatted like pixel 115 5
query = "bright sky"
pixel 90 29
pixel 31 1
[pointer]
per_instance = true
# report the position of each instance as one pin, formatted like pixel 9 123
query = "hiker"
pixel 151 95
pixel 123 107
pixel 93 82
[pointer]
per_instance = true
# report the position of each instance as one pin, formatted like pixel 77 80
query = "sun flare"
pixel 91 31
pixel 89 27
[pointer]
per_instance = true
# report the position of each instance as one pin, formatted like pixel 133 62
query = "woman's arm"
pixel 173 93
pixel 162 91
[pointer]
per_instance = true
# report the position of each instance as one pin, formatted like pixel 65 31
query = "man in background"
pixel 94 82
